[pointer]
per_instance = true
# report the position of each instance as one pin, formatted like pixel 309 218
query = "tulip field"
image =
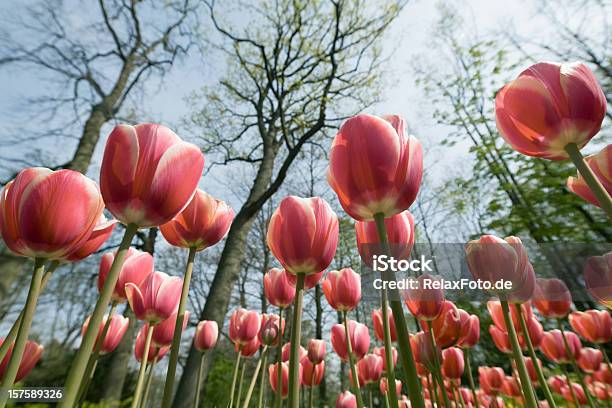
pixel 144 281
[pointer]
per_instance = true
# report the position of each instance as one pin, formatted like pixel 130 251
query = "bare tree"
pixel 92 66
pixel 295 70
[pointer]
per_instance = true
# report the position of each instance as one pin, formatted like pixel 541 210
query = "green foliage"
pixel 216 388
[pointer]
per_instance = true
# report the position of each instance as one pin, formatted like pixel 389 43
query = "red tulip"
pixel 369 369
pixel 603 374
pixel 316 350
pixel 374 167
pixel 469 331
pixel 500 339
pixel 49 214
pixel 594 326
pixel 249 349
pixel 524 291
pixel 163 332
pixel 277 288
pixel 271 330
pixel 206 335
pixel 272 375
pixel 496 261
pixel 377 322
pixel 31 355
pixel 286 351
pixel 154 351
pixel 303 234
pixel 148 174
pixel 554 349
pixel 116 329
pixel 452 363
pixel 346 400
pixel 136 267
pixel 556 383
pixel 598 278
pixel 384 389
pixel 203 223
pixel 599 390
pixel 511 387
pixel 423 350
pixel 590 359
pixel 101 232
pixel 381 352
pixel 400 233
pixel 552 298
pixel 312 373
pixel 529 364
pixel 360 339
pixel 156 298
pixel 601 165
pixel 424 301
pixel 447 326
pixel 491 379
pixel 244 326
pixel 578 391
pixel 309 282
pixel 342 289
pixel 536 333
pixel 549 106
pixel 495 310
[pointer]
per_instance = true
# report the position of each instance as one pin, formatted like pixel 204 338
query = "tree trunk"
pixel 221 288
pixel 88 141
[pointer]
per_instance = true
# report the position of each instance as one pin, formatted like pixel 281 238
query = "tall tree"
pixel 295 69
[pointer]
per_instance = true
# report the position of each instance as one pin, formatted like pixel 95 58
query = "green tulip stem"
pixel 79 364
pixel 349 352
pixel 24 329
pixel 258 368
pixel 403 337
pixel 278 398
pixel 530 399
pixel 437 366
pixel 234 378
pixel 150 375
pixel 178 331
pixel 143 367
pixel 389 371
pixel 468 368
pixel 196 400
pixel 296 336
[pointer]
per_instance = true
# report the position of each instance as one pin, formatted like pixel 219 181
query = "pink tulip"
pixel 377 322
pixel 148 174
pixel 136 267
pixel 446 326
pixel 156 298
pixel 552 298
pixel 556 383
pixel 491 379
pixel 568 395
pixel 116 330
pixel 384 388
pixel 598 278
pixel 316 350
pixel 424 352
pixel 553 346
pixel 601 164
pixel 163 332
pixel 380 351
pixel 359 336
pixel 206 335
pixel 346 400
pixel 249 349
pixel 400 233
pixel 101 232
pixel 49 214
pixel 500 339
pixel 590 359
pixel 469 330
pixel 244 326
pixel 286 351
pixel 31 355
pixel 549 106
pixel 277 288
pixel 452 362
pixel 271 330
pixel 342 289
pixel 312 374
pixel 496 261
pixel 154 350
pixel 272 376
pixel 303 234
pixel 594 326
pixel 511 387
pixel 369 369
pixel 425 301
pixel 374 166
pixel 495 310
pixel 203 223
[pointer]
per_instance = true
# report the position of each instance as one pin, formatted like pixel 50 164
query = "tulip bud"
pixel 156 298
pixel 31 355
pixel 316 350
pixel 491 379
pixel 594 326
pixel 137 266
pixel 369 369
pixel 360 339
pixel 384 388
pixel 381 352
pixel 312 374
pixel 423 349
pixel 590 359
pixel 452 363
pixel 377 322
pixel 552 298
pixel 598 278
pixel 116 329
pixel 271 329
pixel 244 326
pixel 553 346
pixel 400 234
pixel 286 352
pixel 425 301
pixel 346 400
pixel 342 289
pixel 163 332
pixel 469 331
pixel 207 333
pixel 447 326
pixel 277 288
